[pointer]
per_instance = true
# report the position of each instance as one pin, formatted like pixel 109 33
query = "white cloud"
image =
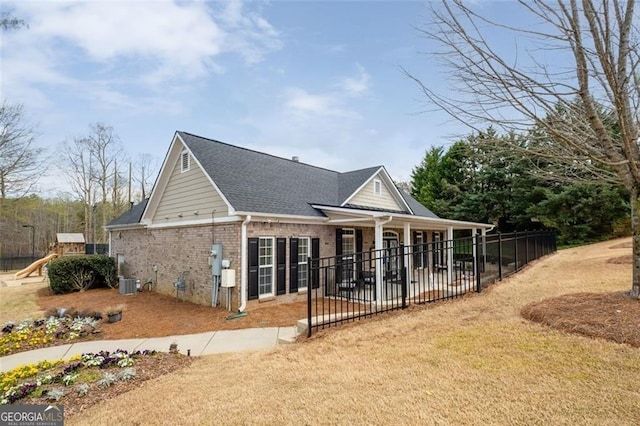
pixel 302 101
pixel 304 104
pixel 358 85
pixel 149 42
pixel 332 103
pixel 254 36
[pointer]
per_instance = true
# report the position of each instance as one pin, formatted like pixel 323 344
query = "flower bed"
pixel 86 379
pixel 49 331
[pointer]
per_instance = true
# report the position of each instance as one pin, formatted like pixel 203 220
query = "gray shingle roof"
pixel 257 182
pixel 415 206
pixel 350 181
pixel 131 216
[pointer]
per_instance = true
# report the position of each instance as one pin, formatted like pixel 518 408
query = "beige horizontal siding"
pixel 365 197
pixel 189 192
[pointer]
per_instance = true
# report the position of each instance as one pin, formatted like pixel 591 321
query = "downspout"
pixel 243 264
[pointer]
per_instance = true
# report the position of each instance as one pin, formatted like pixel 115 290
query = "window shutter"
pixel 315 263
pixel 293 265
pixel 415 249
pixel 338 271
pixel 281 266
pixel 253 268
pixel 359 252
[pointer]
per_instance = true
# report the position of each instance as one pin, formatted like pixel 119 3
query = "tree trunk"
pixel 635 231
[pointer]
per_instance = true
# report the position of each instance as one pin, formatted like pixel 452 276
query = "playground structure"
pixel 37 265
pixel 67 244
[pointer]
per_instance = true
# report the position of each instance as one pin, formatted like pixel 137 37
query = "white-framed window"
pixel 120 263
pixel 390 245
pixel 377 187
pixel 303 260
pixel 185 162
pixel 348 251
pixel 265 266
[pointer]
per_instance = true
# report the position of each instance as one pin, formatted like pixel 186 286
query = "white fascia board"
pixel 226 219
pixel 396 192
pixel 229 206
pixel 354 193
pixel 382 172
pixel 176 148
pixel 283 218
pixel 161 182
pixel 355 213
pixel 444 223
pixel 126 226
pixel 456 224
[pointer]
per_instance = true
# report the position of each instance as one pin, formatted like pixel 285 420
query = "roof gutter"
pixel 243 264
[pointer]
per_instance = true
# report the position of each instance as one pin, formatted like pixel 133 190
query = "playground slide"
pixel 38 264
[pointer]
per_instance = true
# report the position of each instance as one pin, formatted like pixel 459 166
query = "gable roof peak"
pixel 293 159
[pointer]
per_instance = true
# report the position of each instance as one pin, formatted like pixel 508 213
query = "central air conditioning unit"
pixel 128 286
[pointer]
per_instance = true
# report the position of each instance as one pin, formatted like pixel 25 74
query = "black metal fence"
pixel 91 248
pixel 359 285
pixel 15 263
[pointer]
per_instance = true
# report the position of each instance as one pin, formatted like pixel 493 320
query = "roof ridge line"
pixel 261 152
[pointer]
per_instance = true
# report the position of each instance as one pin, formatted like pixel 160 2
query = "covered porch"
pixel 376 251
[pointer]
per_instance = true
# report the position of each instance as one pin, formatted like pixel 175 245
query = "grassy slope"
pixel 472 361
pixel 18 303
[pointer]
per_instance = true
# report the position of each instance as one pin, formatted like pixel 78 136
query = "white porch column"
pixel 449 254
pixel 408 260
pixel 379 265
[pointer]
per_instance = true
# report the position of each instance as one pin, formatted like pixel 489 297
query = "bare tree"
pixel 79 166
pixel 578 74
pixel 92 166
pixel 146 170
pixel 20 162
pixel 105 147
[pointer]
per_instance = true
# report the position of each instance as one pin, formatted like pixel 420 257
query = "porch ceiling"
pixel 368 218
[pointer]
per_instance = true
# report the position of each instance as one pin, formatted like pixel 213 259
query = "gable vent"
pixel 185 161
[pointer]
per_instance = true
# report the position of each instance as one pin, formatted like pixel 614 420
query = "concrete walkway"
pixel 212 342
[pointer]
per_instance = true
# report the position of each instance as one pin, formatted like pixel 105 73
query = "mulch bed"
pixel 147 367
pixel 150 314
pixel 611 316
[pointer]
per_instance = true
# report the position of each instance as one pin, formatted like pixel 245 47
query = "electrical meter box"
pixel 228 278
pixel 215 258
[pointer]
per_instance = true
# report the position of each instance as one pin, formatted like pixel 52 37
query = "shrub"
pixel 67 274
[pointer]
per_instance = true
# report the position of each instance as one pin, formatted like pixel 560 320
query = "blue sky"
pixel 319 80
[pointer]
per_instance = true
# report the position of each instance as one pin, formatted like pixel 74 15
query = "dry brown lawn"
pixel 18 303
pixel 475 360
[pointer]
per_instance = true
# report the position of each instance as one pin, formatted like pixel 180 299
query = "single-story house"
pixel 266 216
